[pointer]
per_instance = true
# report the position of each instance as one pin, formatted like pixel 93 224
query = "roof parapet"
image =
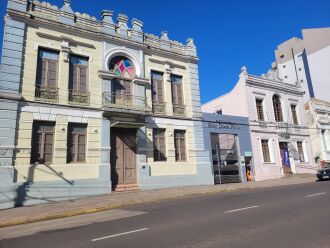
pixel 106 25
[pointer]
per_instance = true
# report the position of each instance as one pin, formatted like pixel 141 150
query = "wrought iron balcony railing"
pixel 124 100
pixel 179 109
pixel 80 97
pixel 159 107
pixel 46 93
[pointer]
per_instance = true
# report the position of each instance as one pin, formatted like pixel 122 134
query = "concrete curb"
pixel 136 202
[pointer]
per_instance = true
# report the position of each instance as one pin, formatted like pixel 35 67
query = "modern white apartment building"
pixel 306 61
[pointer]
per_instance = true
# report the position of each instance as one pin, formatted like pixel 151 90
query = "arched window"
pixel 122 67
pixel 277 108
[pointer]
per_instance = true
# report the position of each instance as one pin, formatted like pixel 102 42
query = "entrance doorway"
pixel 285 158
pixel 225 157
pixel 123 156
pixel 248 169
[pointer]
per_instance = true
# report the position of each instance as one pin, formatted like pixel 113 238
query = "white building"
pixel 279 132
pixel 307 61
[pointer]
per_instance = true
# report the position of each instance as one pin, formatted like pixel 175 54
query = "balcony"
pixel 78 97
pixel 179 109
pixel 46 93
pixel 159 107
pixel 125 103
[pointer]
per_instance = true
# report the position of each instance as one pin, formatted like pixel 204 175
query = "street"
pixel 285 216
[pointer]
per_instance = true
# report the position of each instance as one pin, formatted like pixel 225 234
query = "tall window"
pixel 42 142
pixel 294 114
pixel 76 143
pixel 326 139
pixel 180 145
pixel 265 151
pixel 177 95
pixel 301 151
pixel 277 108
pixel 122 85
pixel 159 144
pixel 157 92
pixel 260 111
pixel 46 78
pixel 78 79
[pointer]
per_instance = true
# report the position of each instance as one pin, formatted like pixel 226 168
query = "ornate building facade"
pixel 279 130
pixel 318 117
pixel 89 106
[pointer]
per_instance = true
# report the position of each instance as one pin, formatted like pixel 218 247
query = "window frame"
pixel 38 144
pixel 157 145
pixel 40 59
pixel 174 88
pixel 260 115
pixel 301 153
pixel 265 142
pixel 293 108
pixel 74 136
pixel 178 141
pixel 78 76
pixel 277 107
pixel 155 89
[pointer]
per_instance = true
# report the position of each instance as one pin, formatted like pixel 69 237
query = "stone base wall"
pixel 202 177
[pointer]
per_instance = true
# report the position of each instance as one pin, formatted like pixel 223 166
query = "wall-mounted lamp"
pixel 95 131
pixel 62 129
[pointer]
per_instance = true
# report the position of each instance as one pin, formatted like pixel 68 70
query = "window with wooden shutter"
pixel 260 111
pixel 265 151
pixel 46 78
pixel 177 95
pixel 78 73
pixel 159 144
pixel 42 142
pixel 300 151
pixel 157 86
pixel 277 108
pixel 180 145
pixel 78 81
pixel 47 68
pixel 76 143
pixel 294 114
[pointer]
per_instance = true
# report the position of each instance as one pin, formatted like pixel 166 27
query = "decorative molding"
pixel 170 63
pixel 68 39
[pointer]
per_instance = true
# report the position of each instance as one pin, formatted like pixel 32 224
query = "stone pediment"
pixel 272 75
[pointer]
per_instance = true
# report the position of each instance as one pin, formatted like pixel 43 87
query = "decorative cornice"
pixel 273 85
pixel 64 38
pixel 168 62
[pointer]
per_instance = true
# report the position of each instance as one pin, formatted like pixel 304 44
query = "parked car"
pixel 324 173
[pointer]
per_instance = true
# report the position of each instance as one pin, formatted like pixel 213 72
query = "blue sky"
pixel 228 34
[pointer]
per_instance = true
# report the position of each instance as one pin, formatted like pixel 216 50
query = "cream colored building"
pixel 90 106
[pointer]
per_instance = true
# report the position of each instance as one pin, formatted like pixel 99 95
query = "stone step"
pixel 126 188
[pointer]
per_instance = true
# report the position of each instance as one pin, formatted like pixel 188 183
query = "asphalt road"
pixel 287 216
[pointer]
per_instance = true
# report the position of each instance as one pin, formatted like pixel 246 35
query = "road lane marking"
pixel 120 234
pixel 322 193
pixel 240 209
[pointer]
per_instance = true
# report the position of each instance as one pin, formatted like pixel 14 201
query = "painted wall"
pixel 52 39
pixel 319 64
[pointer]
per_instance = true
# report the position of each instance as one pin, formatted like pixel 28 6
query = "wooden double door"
pixel 123 156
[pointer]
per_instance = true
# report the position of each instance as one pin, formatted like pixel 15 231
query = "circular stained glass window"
pixel 122 67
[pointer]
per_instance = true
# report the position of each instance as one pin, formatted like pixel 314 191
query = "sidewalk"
pixel 30 214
